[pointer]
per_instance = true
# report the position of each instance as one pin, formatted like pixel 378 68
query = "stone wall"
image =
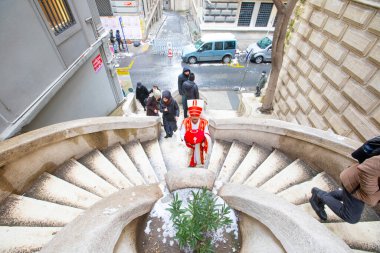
pixel 330 77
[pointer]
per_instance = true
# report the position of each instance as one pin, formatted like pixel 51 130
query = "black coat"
pixel 190 90
pixel 142 93
pixel 172 106
pixel 181 79
pixel 151 105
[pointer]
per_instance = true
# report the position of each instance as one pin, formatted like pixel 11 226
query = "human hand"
pixel 166 109
pixel 155 111
pixel 176 118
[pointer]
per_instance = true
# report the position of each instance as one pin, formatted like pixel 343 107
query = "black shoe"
pixel 167 136
pixel 317 204
pixel 170 135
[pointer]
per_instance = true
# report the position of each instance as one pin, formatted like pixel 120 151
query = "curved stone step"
pixel 218 155
pixel 238 151
pixel 154 154
pixel 76 174
pixel 174 151
pixel 301 193
pixel 361 236
pixel 331 216
pixel 101 166
pixel 297 172
pixel 256 237
pixel 53 189
pixel 141 161
pixel 251 162
pixel 116 154
pixel 23 211
pixel 275 162
pixel 25 239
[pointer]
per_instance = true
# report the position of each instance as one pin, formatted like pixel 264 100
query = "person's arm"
pixel 196 92
pixel 180 83
pixel 176 108
pixel 161 107
pixel 182 131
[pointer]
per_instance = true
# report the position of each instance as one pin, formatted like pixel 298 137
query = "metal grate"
pixel 104 7
pixel 264 14
pixel 58 14
pixel 245 14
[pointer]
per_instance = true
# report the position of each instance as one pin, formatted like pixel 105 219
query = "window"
pixel 207 46
pixel 229 45
pixel 58 14
pixel 245 14
pixel 264 14
pixel 218 45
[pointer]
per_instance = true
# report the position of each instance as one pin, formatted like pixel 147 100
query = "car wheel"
pixel 192 60
pixel 259 59
pixel 226 59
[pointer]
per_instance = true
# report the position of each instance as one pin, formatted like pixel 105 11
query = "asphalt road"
pixel 150 68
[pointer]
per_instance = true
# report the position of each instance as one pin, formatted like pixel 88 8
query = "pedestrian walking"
pixel 261 83
pixel 152 104
pixel 112 40
pixel 170 113
pixel 189 91
pixel 184 76
pixel 360 185
pixel 154 87
pixel 142 94
pixel 119 41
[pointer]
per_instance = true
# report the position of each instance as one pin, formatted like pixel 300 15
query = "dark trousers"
pixel 142 102
pixel 343 204
pixel 169 126
pixel 184 105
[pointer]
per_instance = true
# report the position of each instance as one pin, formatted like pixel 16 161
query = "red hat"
pixel 195 107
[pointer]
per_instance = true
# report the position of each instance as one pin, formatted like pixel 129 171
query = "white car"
pixel 260 51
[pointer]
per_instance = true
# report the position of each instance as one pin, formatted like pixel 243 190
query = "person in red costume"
pixel 195 133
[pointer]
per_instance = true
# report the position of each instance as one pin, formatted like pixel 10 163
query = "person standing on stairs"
pixel 152 104
pixel 184 76
pixel 170 113
pixel 361 183
pixel 142 94
pixel 195 133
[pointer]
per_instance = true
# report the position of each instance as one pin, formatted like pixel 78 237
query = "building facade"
pixel 330 77
pixel 55 66
pixel 248 20
pixel 134 17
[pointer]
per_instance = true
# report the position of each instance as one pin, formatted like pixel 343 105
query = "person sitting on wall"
pixel 361 183
pixel 195 133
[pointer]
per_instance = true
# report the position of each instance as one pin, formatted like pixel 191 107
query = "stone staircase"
pixel 29 220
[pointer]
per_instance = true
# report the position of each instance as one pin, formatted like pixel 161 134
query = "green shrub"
pixel 196 223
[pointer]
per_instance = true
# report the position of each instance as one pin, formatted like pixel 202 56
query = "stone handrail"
pixel 99 227
pixel 25 157
pixel 323 150
pixel 296 231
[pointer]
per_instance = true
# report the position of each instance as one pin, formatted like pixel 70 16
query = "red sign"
pixel 129 3
pixel 97 63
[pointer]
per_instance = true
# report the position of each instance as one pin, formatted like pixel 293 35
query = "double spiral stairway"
pixel 53 176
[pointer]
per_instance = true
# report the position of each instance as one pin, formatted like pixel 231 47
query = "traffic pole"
pixel 122 30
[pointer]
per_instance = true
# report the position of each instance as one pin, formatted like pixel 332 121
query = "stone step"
pixel 360 236
pixel 174 151
pixel 218 155
pixel 301 193
pixel 275 162
pixel 154 154
pixel 101 166
pixel 296 173
pixel 23 211
pixel 53 189
pixel 256 237
pixel 25 239
pixel 238 151
pixel 137 154
pixel 76 174
pixel 116 154
pixel 251 162
pixel 331 216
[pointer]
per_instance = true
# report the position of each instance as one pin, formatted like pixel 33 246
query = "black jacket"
pixel 172 106
pixel 142 92
pixel 190 90
pixel 181 79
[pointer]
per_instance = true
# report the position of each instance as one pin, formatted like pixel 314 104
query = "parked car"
pixel 260 51
pixel 211 47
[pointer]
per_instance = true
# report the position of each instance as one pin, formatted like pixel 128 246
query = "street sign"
pixel 97 63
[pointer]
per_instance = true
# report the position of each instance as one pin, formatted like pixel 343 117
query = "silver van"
pixel 260 51
pixel 211 47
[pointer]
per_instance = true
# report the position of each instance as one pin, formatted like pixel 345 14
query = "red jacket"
pixel 365 179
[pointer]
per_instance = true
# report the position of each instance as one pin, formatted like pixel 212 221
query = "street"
pixel 155 67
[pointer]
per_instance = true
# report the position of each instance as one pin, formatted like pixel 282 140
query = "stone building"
pixel 330 77
pixel 55 65
pixel 247 20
